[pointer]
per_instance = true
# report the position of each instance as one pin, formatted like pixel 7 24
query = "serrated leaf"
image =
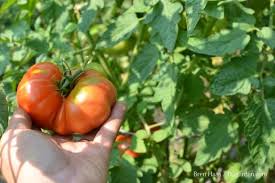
pixel 120 30
pixel 194 9
pixel 166 90
pixel 219 137
pixel 124 173
pixel 259 120
pixel 268 36
pixel 234 77
pixel 88 14
pixel 4 113
pixel 225 42
pixel 164 20
pixel 144 63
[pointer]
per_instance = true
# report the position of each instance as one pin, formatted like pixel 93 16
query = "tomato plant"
pixel 197 76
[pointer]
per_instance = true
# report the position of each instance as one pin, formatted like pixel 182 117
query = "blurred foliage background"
pixel 197 76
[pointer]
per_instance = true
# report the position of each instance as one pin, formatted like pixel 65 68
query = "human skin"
pixel 30 156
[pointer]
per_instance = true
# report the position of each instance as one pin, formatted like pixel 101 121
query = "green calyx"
pixel 67 83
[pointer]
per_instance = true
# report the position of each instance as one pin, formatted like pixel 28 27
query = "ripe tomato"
pixel 85 108
pixel 124 143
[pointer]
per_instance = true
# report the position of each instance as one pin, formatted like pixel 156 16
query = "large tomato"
pixel 85 108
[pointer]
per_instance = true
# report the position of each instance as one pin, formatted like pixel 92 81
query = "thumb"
pixel 20 120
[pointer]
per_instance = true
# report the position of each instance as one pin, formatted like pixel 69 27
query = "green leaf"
pixel 164 21
pixel 4 58
pixel 62 20
pixel 120 30
pixel 213 10
pixel 19 54
pixel 124 173
pixel 138 145
pixel 176 169
pixel 259 120
pixel 268 36
pixel 166 90
pixel 70 27
pixel 140 6
pixel 196 121
pixel 115 158
pixel 4 113
pixel 219 137
pixel 193 87
pixel 194 9
pixel 225 42
pixel 144 63
pixel 150 164
pixel 62 45
pixel 186 180
pixel 141 134
pixel 232 174
pixel 6 5
pixel 234 77
pixel 244 9
pixel 88 14
pixel 161 134
pixel 40 46
pixel 17 31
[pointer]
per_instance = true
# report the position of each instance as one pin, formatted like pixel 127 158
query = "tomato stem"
pixel 67 83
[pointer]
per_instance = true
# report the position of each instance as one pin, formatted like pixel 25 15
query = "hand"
pixel 30 156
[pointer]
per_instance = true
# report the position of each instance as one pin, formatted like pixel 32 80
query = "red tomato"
pixel 86 107
pixel 124 143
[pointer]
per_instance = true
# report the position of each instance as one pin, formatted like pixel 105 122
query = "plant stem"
pixel 146 127
pixel 92 43
pixel 104 65
pixel 156 125
pixel 82 50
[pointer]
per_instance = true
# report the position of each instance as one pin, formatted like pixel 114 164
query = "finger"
pixel 108 131
pixel 20 120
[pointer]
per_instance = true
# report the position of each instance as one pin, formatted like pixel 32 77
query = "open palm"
pixel 28 155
